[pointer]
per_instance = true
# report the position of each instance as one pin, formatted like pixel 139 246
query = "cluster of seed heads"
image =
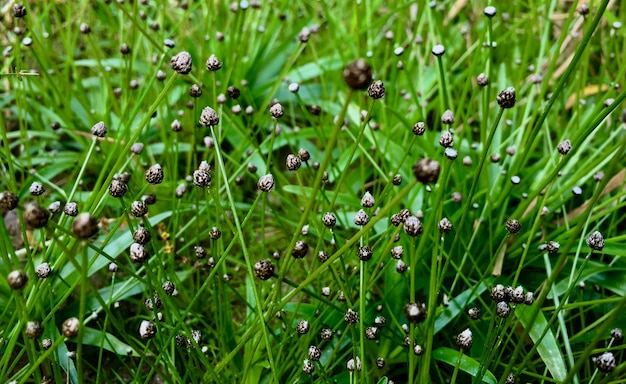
pixel 505 295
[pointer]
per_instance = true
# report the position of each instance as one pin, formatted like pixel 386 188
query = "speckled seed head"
pixel 329 219
pixel 302 327
pixel 595 241
pixel 415 312
pixel 426 171
pixel 617 334
pixel 215 233
pixel 353 364
pixel 266 183
pixel 498 293
pixel 367 200
pixel 358 74
pixel 168 287
pixel 138 253
pixel 380 362
pixel 508 293
pixel 510 379
pixel 351 317
pixel 85 226
pixel 99 129
pixel 397 179
pixel 413 226
pixel 517 296
pixel 8 201
pixel 33 329
pixel 69 328
pixel 314 353
pixel 401 266
pixel 445 225
pixel 43 270
pixel 46 344
pixel 506 98
pixel 307 366
pixel 293 162
pixel 117 188
pixel 503 309
pixel 209 117
pixel 213 63
pixel 371 333
pixel 199 251
pixel 397 252
pixel 36 189
pixel 303 154
pixel 195 91
pixel 326 333
pixel 154 174
pixel 448 117
pixel 482 80
pixel 465 339
pixel 564 147
pixel 17 279
pixel 322 256
pixel 201 178
pixel 300 249
pixel 263 269
pixel 513 226
pixel 365 253
pixel 474 313
pixel 419 128
pixel 606 362
pixel 19 10
pixel 138 208
pixel 181 63
pixel 529 299
pixel 361 218
pixel 147 329
pixel 233 92
pixel 376 90
pixel 35 216
pixel 552 247
pixel 71 209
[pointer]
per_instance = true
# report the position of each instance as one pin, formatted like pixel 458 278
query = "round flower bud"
pixel 46 344
pixel 136 148
pixel 36 189
pixel 351 365
pixel 154 174
pixel 445 225
pixel 71 209
pixel 464 339
pixel 322 256
pixel 199 251
pixel 263 269
pixel 376 90
pixel 503 309
pixel 426 171
pixel 513 226
pixel 616 333
pixel 147 329
pixel 595 241
pixel 293 162
pixel 35 216
pixel 365 253
pixel 125 49
pixel 510 379
pixel 69 328
pixel 195 91
pixel 138 208
pixel 498 293
pixel 446 140
pixel 266 183
pixel 43 270
pixel 300 249
pixel 552 247
pixel 85 29
pixel 415 312
pixel 380 362
pixel 215 233
pixel 233 92
pixel 448 117
pixel 117 188
pixel 276 111
pixel 351 317
pixel 85 226
pixel 138 253
pixel 605 362
pixel 19 10
pixel 33 329
pixel 439 50
pixel 401 266
pixel 506 98
pixel 181 63
pixel 307 366
pixel 303 154
pixel 371 333
pixel 314 353
pixel 397 252
pixel 490 11
pixel 302 327
pixel 99 129
pixel 482 80
pixel 8 201
pixel 201 178
pixel 209 117
pixel 419 128
pixel 54 207
pixel 397 179
pixel 17 279
pixel 358 74
pixel 361 218
pixel 517 296
pixel 413 226
pixel 168 287
pixel 213 64
pixel 564 147
pixel 529 299
pixel 474 313
pixel 329 219
pixel 367 200
pixel 326 333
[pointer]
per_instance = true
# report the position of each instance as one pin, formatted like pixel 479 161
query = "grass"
pixel 234 318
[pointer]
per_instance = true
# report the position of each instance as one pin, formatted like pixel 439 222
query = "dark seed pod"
pixel 168 287
pixel 426 171
pixel 293 162
pixel 326 333
pixel 413 226
pixel 117 188
pixel 376 90
pixel 361 218
pixel 154 174
pixel 307 366
pixel 36 189
pixel 508 293
pixel 415 312
pixel 85 226
pixel 8 201
pixel 125 49
pixel 322 256
pixel 17 279
pixel 503 309
pixel 445 225
pixel 201 178
pixel 303 154
pixel 138 253
pixel 69 328
pixel 513 226
pixel 277 111
pixel 474 313
pixel 181 63
pixel 149 198
pixel 397 252
pixel 213 64
pixel 302 327
pixel 365 253
pixel 464 339
pixel 195 91
pixel 482 80
pixel 35 216
pixel 517 296
pixel 606 362
pixel 446 140
pixel 419 128
pixel 510 379
pixel 263 269
pixel 209 117
pixel 380 362
pixel 138 208
pixel 351 317
pixel 33 329
pixel 314 353
pixel 266 183
pixel 215 233
pixel 19 10
pixel 564 147
pixel 85 29
pixel 71 209
pixel 329 219
pixel 595 241
pixel 371 333
pixel 200 252
pixel 498 293
pixel 358 74
pixel 552 247
pixel 397 179
pixel 43 270
pixel 233 92
pixel 300 249
pixel 448 117
pixel 99 129
pixel 506 98
pixel 147 329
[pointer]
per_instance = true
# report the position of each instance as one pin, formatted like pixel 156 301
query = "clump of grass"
pixel 315 202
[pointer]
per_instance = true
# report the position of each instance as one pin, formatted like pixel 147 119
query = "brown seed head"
pixel 213 63
pixel 8 201
pixel 506 98
pixel 358 74
pixel 426 171
pixel 513 226
pixel 595 241
pixel 85 226
pixel 263 269
pixel 266 183
pixel 17 279
pixel 181 63
pixel 69 328
pixel 99 129
pixel 419 128
pixel 35 216
pixel 154 174
pixel 209 117
pixel 464 339
pixel 564 147
pixel 376 90
pixel 415 312
pixel 413 226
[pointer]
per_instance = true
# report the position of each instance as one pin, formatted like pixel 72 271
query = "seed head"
pixel 293 162
pixel 510 379
pixel 71 209
pixel 195 91
pixel 199 251
pixel 397 252
pixel 371 333
pixel 401 266
pixel 329 219
pixel 529 299
pixel 99 129
pixel 201 178
pixel 215 233
pixel 513 226
pixel 368 200
pixel 498 293
pixel 397 179
pixel 361 218
pixel 54 207
pixel 415 312
pixel 448 117
pixel 314 353
pixel 302 327
pixel 445 225
pixel 46 344
pixel 482 80
pixel 595 241
pixel 43 270
pixel 35 216
pixel 446 140
pixel 138 253
pixel 358 74
pixel 85 226
pixel 564 147
pixel 209 117
pixel 552 247
pixel 490 11
pixel 351 365
pixel 8 201
pixel 69 328
pixel 181 63
pixel 464 339
pixel 36 189
pixel 380 362
pixel 606 362
pixel 154 174
pixel 506 98
pixel 17 279
pixel 266 183
pixel 300 249
pixel 616 333
pixel 474 313
pixel 307 366
pixel 322 256
pixel 263 269
pixel 117 188
pixel 233 92
pixel 213 64
pixel 303 154
pixel 503 309
pixel 149 198
pixel 351 317
pixel 33 329
pixel 326 333
pixel 365 253
pixel 276 111
pixel 439 50
pixel 85 29
pixel 138 208
pixel 419 128
pixel 376 90
pixel 413 226
pixel 517 296
pixel 19 10
pixel 147 329
pixel 426 171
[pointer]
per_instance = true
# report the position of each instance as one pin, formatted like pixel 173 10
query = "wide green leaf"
pixel 97 338
pixel 467 364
